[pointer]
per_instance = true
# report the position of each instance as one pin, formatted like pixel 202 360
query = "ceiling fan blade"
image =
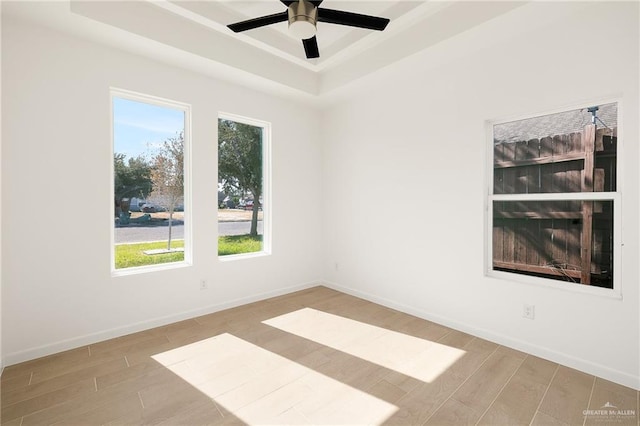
pixel 340 17
pixel 258 22
pixel 311 47
pixel 287 3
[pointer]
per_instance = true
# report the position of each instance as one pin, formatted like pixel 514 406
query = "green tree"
pixel 167 177
pixel 132 178
pixel 240 162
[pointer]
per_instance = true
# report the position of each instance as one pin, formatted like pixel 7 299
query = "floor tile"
pixel 315 356
pixel 454 413
pixel 568 395
pixel 479 391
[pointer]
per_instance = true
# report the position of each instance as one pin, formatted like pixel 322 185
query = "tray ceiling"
pixel 194 34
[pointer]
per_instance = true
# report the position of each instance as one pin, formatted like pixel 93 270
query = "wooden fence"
pixel 567 240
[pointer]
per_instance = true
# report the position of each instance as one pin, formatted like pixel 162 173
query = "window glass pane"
pixel 563 240
pixel 240 188
pixel 148 146
pixel 572 151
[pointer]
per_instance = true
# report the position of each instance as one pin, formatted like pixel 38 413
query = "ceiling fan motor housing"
pixel 303 16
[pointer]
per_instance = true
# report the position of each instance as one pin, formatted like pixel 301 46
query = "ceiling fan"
pixel 303 16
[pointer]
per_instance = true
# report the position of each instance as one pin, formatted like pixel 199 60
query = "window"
pixel 243 186
pixel 554 198
pixel 150 154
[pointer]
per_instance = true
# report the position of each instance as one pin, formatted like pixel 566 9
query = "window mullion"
pixel 555 196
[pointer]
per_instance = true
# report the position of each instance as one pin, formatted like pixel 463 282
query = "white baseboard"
pixel 76 342
pixel 598 370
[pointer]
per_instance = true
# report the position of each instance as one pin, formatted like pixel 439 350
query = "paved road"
pixel 237 228
pixel 138 233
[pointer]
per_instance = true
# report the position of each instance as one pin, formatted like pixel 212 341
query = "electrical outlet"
pixel 203 285
pixel 529 311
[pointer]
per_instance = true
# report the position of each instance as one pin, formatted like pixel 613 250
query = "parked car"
pixel 136 204
pixel 151 208
pixel 248 205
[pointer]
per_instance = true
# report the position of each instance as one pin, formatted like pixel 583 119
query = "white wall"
pixel 404 180
pixel 397 229
pixel 1 353
pixel 57 289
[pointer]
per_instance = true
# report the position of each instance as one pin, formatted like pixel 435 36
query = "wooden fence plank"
pixel 509 175
pixel 560 242
pixel 520 241
pixel 521 173
pixel 559 168
pixel 587 206
pixel 573 243
pixel 546 147
pixel 498 149
pixel 596 250
pixel 569 238
pixel 546 233
pixel 571 156
pixel 508 242
pixel 575 175
pixel 498 174
pixel 598 145
pixel 533 171
pixel 548 270
pixel 534 246
pixel 576 142
pixel 498 237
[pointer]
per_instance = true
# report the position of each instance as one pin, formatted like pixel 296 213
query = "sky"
pixel 140 128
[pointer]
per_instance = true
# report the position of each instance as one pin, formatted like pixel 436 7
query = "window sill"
pixel 147 269
pixel 611 293
pixel 234 257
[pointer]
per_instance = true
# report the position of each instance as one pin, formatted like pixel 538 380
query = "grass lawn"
pixel 238 244
pixel 130 255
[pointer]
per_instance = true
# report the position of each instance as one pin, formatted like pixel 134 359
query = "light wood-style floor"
pixel 312 357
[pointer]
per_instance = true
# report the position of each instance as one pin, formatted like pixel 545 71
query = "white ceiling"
pixel 194 34
pixel 275 38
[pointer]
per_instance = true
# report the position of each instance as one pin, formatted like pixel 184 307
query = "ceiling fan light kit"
pixel 302 19
pixel 303 15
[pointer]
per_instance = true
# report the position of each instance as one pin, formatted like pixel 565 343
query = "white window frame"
pixel 266 185
pixel 615 197
pixel 188 240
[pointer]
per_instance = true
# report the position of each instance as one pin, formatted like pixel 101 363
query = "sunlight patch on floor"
pixel 260 387
pixel 419 358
